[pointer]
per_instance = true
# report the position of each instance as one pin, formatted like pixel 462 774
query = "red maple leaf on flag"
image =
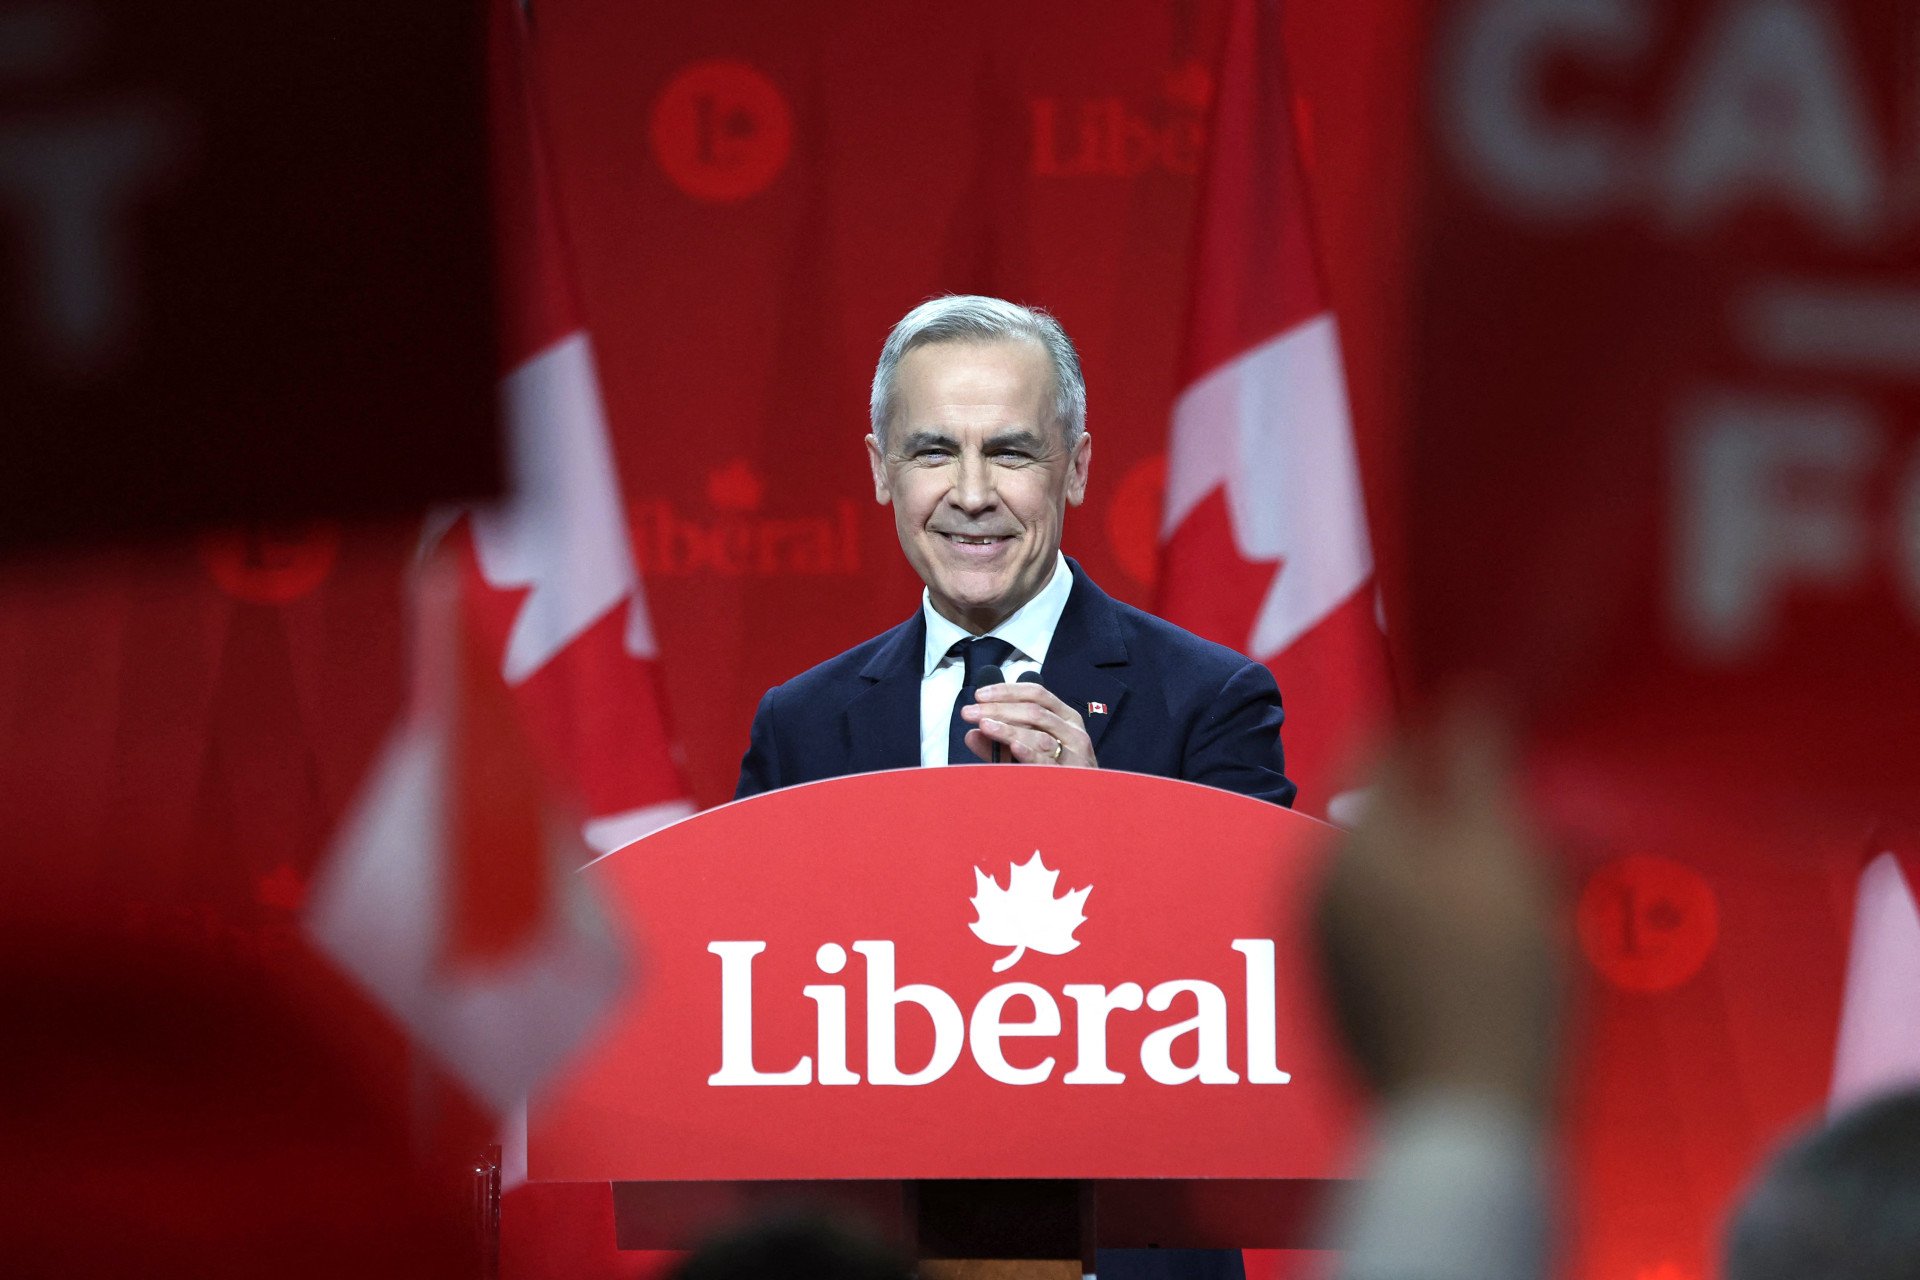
pixel 1219 597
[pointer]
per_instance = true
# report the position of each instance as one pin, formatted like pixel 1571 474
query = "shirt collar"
pixel 1029 630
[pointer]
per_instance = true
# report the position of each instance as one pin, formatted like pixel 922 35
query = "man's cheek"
pixel 914 496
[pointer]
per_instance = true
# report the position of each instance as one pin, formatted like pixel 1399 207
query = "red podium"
pixel 998 1012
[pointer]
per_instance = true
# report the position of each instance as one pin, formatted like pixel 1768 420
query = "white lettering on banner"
pixel 736 1021
pixel 883 1010
pixel 1508 140
pixel 1747 530
pixel 1847 328
pixel 989 1024
pixel 1767 109
pixel 74 185
pixel 72 179
pixel 984 1031
pixel 1263 1040
pixel 1208 1027
pixel 1092 1005
pixel 831 1016
pixel 1771 111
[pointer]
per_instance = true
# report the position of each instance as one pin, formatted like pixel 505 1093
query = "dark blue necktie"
pixel 978 653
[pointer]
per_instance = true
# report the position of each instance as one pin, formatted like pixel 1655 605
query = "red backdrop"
pixel 755 192
pixel 756 196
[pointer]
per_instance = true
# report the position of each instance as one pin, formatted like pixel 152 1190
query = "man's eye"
pixel 932 455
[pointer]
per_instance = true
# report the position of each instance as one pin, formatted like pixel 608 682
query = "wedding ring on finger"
pixel 1058 747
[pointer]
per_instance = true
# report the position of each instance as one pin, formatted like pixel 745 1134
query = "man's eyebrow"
pixel 928 440
pixel 1021 438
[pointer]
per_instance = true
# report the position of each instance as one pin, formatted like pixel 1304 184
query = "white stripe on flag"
pixel 1879 1042
pixel 563 532
pixel 1272 426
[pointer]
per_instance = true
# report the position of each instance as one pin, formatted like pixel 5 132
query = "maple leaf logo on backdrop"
pixel 736 487
pixel 1025 913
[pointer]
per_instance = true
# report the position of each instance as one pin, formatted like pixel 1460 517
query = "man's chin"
pixel 988 603
pixel 973 602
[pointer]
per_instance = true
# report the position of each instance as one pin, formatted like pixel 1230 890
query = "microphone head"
pixel 989 674
pixel 1032 677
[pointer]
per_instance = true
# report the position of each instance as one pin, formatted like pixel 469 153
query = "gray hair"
pixel 972 318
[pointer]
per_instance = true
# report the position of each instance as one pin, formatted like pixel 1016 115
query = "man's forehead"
pixel 943 377
pixel 966 358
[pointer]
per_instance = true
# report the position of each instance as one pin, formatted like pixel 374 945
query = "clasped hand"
pixel 1031 723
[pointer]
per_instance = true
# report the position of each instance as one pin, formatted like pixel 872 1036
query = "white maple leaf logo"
pixel 1025 913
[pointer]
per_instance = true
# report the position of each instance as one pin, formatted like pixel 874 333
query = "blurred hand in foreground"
pixel 1436 924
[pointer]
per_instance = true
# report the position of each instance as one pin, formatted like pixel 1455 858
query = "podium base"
pixel 997 1219
pixel 1000 1269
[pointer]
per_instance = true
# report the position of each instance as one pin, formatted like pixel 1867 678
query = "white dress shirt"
pixel 1029 631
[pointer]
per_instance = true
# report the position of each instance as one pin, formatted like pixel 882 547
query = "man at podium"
pixel 979 444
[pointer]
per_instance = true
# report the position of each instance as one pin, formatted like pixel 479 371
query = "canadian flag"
pixel 554 580
pixel 1878 1047
pixel 450 891
pixel 1265 544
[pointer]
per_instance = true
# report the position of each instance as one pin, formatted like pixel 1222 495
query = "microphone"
pixel 991 674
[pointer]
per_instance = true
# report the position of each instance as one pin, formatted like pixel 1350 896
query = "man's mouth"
pixel 974 539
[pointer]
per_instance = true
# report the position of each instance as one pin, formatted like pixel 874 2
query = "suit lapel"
pixel 883 720
pixel 1087 656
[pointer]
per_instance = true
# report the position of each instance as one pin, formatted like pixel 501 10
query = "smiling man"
pixel 980 445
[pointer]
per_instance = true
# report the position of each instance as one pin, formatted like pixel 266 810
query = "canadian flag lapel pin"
pixel 1096 708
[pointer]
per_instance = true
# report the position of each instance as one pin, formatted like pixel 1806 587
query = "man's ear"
pixel 877 461
pixel 1077 469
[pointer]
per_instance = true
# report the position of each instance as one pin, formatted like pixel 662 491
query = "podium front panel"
pixel 992 972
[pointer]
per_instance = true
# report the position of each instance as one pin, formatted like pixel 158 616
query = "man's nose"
pixel 973 490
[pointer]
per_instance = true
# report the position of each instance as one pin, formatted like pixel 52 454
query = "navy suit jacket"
pixel 1176 705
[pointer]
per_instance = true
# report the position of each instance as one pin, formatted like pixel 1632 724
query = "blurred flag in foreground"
pixel 450 892
pixel 1265 544
pixel 1879 1042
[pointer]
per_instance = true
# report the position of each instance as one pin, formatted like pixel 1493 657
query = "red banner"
pixel 1664 445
